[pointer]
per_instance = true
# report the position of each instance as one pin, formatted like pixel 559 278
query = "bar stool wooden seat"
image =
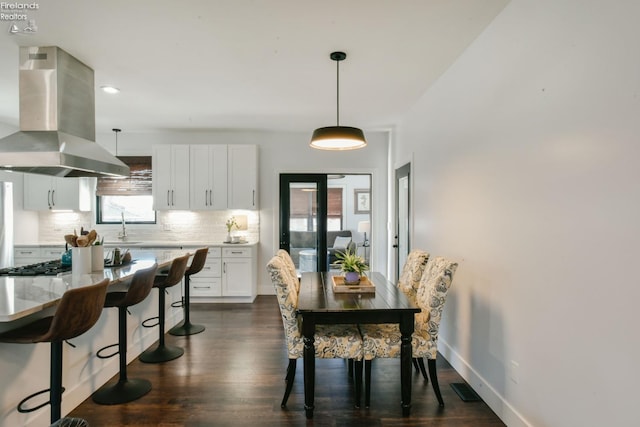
pixel 125 390
pixel 186 327
pixel 163 352
pixel 79 309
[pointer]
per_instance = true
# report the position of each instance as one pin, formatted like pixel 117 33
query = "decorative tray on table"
pixel 365 285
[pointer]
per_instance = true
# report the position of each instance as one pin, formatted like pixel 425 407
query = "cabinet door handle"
pixel 49 199
pixel 172 203
pixel 254 198
pixel 53 200
pixel 224 267
pixel 206 200
pixel 168 203
pixel 210 197
pixel 201 287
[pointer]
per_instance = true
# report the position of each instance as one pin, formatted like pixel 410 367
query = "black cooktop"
pixel 47 268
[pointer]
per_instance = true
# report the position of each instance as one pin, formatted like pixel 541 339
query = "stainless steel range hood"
pixel 57 119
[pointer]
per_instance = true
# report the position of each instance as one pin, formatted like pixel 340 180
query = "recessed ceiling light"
pixel 110 89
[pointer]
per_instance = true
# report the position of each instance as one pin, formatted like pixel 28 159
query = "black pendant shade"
pixel 338 137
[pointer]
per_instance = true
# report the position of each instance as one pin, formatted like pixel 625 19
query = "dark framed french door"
pixel 303 207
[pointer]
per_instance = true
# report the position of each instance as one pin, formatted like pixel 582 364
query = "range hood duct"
pixel 57 119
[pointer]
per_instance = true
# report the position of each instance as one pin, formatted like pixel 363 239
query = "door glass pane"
pixel 303 225
pixel 403 220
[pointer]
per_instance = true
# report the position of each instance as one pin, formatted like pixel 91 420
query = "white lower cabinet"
pixel 208 282
pixel 229 275
pixel 237 272
pixel 25 255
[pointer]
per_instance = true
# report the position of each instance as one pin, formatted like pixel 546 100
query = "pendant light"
pixel 338 137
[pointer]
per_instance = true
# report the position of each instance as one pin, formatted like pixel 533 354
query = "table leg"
pixel 406 330
pixel 309 356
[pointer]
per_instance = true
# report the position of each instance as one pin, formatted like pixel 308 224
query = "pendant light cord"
pixel 116 132
pixel 337 93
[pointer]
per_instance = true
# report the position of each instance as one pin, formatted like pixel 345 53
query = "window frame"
pixel 100 221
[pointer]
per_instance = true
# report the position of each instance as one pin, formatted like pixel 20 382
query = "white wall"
pixel 526 171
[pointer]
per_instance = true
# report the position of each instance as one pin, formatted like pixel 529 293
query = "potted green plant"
pixel 352 265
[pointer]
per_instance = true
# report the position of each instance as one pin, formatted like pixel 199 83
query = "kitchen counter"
pixel 133 243
pixel 23 296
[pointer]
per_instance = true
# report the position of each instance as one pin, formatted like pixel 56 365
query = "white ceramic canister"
pixel 81 260
pixel 97 258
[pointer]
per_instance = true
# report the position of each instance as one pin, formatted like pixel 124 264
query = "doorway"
pixel 402 244
pixel 303 206
pixel 322 215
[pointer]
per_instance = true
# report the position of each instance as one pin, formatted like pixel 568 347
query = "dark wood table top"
pixel 317 297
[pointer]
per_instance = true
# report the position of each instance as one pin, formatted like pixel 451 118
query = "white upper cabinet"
pixel 171 177
pixel 208 177
pixel 43 192
pixel 205 177
pixel 242 161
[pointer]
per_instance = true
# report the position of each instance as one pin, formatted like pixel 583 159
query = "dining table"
pixel 319 303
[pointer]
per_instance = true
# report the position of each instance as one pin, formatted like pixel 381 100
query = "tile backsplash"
pixel 174 226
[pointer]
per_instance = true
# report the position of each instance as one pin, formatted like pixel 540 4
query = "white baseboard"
pixel 503 409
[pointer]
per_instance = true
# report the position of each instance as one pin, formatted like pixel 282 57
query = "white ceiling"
pixel 250 64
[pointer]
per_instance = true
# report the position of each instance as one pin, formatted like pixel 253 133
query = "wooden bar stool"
pixel 164 353
pixel 79 309
pixel 186 327
pixel 125 390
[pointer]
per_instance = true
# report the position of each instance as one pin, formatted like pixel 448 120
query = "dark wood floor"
pixel 233 374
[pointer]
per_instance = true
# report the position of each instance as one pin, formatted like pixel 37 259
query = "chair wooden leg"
pixel 422 369
pixel 415 364
pixel 358 372
pixel 350 366
pixel 367 383
pixel 434 380
pixel 291 374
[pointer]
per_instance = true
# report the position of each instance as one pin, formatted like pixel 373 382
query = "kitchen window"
pixel 129 197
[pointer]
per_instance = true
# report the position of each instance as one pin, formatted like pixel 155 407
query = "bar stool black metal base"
pixel 186 329
pixel 161 354
pixel 122 392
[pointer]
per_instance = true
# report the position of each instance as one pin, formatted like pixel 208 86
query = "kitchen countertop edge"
pixel 147 244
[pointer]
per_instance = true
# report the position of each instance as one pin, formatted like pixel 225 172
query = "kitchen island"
pixel 229 275
pixel 24 296
pixel 25 368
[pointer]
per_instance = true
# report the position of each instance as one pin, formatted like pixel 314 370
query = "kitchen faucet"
pixel 123 234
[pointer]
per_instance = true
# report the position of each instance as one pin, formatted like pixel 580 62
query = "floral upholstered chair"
pixel 409 280
pixel 331 341
pixel 384 340
pixel 288 262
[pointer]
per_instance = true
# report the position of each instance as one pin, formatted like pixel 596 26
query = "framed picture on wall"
pixel 362 201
